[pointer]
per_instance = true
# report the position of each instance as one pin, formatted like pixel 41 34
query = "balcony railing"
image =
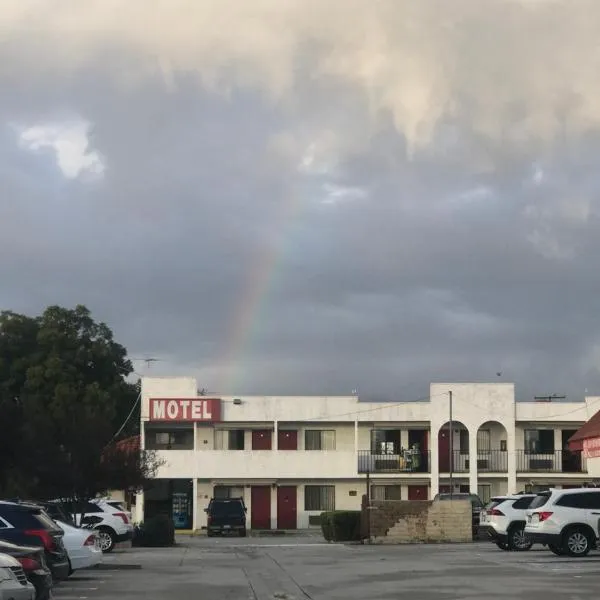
pixel 492 461
pixel 458 459
pixel 407 462
pixel 560 461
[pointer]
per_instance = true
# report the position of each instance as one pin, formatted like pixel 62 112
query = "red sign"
pixel 185 409
pixel 591 447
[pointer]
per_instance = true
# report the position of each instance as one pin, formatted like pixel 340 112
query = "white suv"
pixel 565 520
pixel 504 520
pixel 106 516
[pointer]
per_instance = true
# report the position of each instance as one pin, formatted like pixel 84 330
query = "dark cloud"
pixel 300 227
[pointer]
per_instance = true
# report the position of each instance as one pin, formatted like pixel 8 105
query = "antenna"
pixel 148 360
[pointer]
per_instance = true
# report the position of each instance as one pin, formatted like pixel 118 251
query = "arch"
pixel 453 450
pixel 492 450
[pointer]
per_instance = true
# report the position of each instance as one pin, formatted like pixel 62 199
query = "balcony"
pixel 559 461
pixel 492 461
pixel 408 462
pixel 458 459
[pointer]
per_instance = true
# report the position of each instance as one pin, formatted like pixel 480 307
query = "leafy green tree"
pixel 64 394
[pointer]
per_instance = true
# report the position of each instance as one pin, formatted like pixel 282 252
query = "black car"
pixel 476 506
pixel 226 515
pixel 33 561
pixel 29 525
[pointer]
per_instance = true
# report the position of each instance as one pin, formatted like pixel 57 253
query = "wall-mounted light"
pixel 237 401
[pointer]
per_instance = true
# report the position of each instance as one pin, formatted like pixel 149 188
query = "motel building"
pixel 291 458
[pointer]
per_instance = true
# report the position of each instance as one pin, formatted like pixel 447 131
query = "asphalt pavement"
pixel 305 568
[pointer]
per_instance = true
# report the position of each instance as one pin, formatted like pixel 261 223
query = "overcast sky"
pixel 311 196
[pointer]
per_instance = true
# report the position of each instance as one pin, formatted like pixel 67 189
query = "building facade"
pixel 291 458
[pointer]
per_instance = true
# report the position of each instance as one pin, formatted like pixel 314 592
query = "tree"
pixel 64 395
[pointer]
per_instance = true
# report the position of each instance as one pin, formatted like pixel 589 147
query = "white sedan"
pixel 82 546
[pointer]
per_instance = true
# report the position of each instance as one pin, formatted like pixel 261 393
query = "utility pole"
pixel 450 445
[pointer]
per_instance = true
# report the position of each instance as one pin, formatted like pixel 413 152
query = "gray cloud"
pixel 301 197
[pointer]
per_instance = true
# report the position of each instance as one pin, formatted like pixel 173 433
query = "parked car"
pixel 13 582
pixel 82 546
pixel 29 525
pixel 33 562
pixel 113 524
pixel 503 519
pixel 565 520
pixel 476 506
pixel 226 515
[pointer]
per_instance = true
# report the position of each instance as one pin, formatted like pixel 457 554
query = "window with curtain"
pixel 319 497
pixel 319 439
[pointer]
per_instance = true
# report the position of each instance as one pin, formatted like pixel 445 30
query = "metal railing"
pixel 559 461
pixel 492 461
pixel 458 459
pixel 406 462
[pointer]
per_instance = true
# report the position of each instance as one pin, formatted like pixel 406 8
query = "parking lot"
pixel 292 568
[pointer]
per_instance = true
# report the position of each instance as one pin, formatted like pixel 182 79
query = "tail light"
pixel 45 536
pixel 122 516
pixel 91 541
pixel 29 564
pixel 544 515
pixel 494 512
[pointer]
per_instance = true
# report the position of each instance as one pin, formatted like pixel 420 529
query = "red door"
pixel 443 450
pixel 418 492
pixel 286 507
pixel 287 440
pixel 261 439
pixel 260 517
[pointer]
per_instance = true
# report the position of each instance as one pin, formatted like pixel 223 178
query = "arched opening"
pixel 492 455
pixel 453 448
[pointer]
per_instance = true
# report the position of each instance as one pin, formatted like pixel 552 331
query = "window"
pixel 385 441
pixel 319 497
pixel 319 439
pixel 386 492
pixel 229 439
pixel 540 500
pixel 464 441
pixel 584 500
pixel 539 441
pixel 523 503
pixel 225 491
pixel 176 439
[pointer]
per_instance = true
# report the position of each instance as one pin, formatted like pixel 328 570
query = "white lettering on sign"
pixel 185 409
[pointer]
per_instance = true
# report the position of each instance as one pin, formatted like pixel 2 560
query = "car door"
pixel 591 504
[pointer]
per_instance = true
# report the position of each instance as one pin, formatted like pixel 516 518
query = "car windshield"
pixel 226 508
pixel 493 502
pixel 117 505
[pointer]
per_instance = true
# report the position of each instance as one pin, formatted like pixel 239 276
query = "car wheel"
pixel 502 545
pixel 577 542
pixel 106 539
pixel 556 550
pixel 517 538
pixel 70 567
pixel 242 533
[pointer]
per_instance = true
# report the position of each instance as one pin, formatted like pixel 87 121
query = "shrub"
pixel 341 525
pixel 156 532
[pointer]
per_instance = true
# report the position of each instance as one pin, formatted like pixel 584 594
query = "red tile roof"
pixel 591 429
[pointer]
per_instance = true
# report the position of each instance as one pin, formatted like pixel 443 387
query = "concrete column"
pixel 139 507
pixel 511 443
pixel 194 502
pixel 557 446
pixel 473 461
pixel 195 436
pixel 434 463
pixel 275 443
pixel 356 437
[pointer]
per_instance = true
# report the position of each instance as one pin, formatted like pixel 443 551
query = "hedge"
pixel 156 532
pixel 341 525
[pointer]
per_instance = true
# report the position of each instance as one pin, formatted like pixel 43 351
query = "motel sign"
pixel 188 410
pixel 591 447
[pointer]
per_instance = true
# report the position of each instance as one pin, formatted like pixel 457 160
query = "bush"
pixel 341 525
pixel 156 532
